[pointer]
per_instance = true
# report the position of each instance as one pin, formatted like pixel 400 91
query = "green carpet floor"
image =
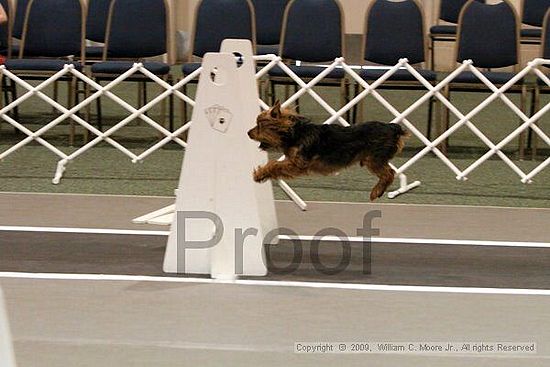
pixel 107 171
pixel 104 170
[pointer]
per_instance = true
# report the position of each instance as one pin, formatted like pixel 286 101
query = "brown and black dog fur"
pixel 325 149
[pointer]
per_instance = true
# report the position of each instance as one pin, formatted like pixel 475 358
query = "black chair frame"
pixel 343 83
pixel 397 84
pixel 521 88
pixel 139 78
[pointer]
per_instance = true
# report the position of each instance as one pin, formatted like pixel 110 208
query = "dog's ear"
pixel 275 111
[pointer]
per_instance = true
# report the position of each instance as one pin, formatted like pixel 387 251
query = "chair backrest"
pixel 533 11
pixel 545 41
pixel 96 21
pixel 488 34
pixel 394 30
pixel 5 28
pixel 136 29
pixel 54 28
pixel 449 10
pixel 19 18
pixel 312 31
pixel 269 20
pixel 216 20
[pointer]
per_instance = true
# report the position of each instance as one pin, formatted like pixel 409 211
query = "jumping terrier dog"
pixel 325 149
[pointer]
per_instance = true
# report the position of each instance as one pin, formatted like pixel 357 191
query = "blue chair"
pixel 313 33
pixel 53 35
pixel 269 21
pixel 136 30
pixel 5 29
pixel 5 42
pixel 10 31
pixel 16 11
pixel 96 25
pixel 540 86
pixel 449 11
pixel 533 15
pixel 214 21
pixel 18 14
pixel 488 34
pixel 395 30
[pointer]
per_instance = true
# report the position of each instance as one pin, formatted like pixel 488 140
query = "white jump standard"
pixel 217 199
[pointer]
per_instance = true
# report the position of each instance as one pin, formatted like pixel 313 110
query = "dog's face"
pixel 271 126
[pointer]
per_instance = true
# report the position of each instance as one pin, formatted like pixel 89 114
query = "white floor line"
pixel 27 193
pixel 283 201
pixel 377 240
pixel 141 232
pixel 418 241
pixel 274 283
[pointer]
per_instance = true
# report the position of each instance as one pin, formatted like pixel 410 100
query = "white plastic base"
pixel 404 186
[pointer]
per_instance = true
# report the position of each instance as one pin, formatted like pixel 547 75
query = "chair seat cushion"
pixel 39 64
pixel 531 32
pixel 494 76
pixel 443 29
pixel 307 71
pixel 95 52
pixel 119 67
pixel 190 67
pixel 401 75
pixel 267 49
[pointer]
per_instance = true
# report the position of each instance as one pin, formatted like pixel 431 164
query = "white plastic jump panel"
pixel 336 115
pixel 215 178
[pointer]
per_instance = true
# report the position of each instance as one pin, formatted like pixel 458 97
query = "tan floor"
pixel 403 221
pixel 138 323
pixel 82 323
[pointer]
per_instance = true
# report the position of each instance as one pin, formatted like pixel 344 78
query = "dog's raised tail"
pixel 400 135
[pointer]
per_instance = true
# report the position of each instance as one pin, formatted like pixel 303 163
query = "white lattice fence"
pixel 336 115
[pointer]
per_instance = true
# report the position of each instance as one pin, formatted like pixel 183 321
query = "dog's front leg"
pixel 276 169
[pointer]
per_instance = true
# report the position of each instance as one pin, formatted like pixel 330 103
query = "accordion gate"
pixel 336 116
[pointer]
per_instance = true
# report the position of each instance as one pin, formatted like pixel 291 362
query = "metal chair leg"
pixel 444 146
pixel 531 113
pixel 162 116
pixel 430 111
pixel 55 96
pixel 297 101
pixel 344 95
pixel 5 91
pixel 356 106
pixel 273 93
pixel 171 113
pixel 170 81
pixel 88 112
pixel 144 97
pixel 71 97
pixel 184 106
pixel 432 53
pixel 13 87
pixel 99 112
pixel 535 108
pixel 522 134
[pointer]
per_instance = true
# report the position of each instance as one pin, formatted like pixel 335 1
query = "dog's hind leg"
pixel 383 171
